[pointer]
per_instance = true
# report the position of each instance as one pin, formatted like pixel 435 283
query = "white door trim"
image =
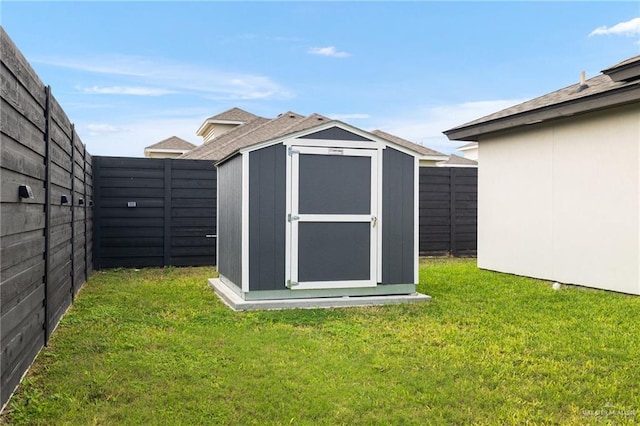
pixel 291 251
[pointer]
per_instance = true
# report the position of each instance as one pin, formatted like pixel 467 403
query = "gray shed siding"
pixel 398 257
pixel 230 219
pixel 267 218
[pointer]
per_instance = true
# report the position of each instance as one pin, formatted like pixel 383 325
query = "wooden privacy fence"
pixel 159 212
pixel 448 211
pixel 154 212
pixel 45 215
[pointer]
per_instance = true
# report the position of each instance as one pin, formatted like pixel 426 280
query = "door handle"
pixel 210 236
pixel 374 221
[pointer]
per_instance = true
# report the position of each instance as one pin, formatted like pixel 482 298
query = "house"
pixel 237 128
pixel 559 186
pixel 220 124
pixel 469 151
pixel 310 207
pixel 172 147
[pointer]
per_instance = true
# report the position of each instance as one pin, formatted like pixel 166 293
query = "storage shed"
pixel 330 210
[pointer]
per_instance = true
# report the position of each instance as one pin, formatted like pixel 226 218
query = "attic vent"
pixel 583 83
pixel 292 116
pixel 320 119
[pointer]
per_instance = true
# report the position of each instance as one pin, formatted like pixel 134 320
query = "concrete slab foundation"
pixel 235 302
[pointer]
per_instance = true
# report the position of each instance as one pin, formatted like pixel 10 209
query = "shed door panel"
pixel 333 203
pixel 322 186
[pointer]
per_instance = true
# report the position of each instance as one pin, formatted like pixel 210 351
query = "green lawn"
pixel 156 346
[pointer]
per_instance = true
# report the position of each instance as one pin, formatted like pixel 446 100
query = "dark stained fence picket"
pixel 448 211
pixel 45 241
pixel 154 212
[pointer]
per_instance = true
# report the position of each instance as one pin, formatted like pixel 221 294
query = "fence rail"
pixel 45 215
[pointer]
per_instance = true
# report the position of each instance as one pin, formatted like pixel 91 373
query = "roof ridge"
pixel 172 139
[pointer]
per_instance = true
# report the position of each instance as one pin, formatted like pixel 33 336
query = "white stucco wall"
pixel 560 201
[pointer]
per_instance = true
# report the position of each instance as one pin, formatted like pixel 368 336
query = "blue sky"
pixel 131 74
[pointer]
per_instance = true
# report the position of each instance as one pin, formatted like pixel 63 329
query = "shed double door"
pixel 333 220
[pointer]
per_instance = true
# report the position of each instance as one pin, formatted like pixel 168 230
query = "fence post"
pixel 47 211
pixel 73 214
pixel 452 209
pixel 167 211
pixel 86 203
pixel 97 239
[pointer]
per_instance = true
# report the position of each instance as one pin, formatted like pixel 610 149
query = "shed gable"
pixel 335 133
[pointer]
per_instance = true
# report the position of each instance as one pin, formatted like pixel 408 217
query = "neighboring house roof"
pixel 234 114
pixel 259 129
pixel 457 161
pixel 619 85
pixel 173 143
pixel 428 152
pixel 210 150
pixel 468 146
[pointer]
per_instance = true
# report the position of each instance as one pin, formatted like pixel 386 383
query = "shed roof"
pixel 408 144
pixel 596 93
pixel 172 142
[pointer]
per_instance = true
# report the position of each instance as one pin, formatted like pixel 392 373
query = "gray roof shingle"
pixel 261 129
pixel 172 142
pixel 234 114
pixel 594 88
pixel 456 160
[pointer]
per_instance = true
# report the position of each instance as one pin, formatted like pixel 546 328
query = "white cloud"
pixel 328 51
pixel 345 117
pixel 129 138
pixel 125 90
pixel 95 129
pixel 628 28
pixel 425 125
pixel 137 72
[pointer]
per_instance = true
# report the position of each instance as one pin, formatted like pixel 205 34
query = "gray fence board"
pixel 174 198
pixel 448 211
pixel 41 240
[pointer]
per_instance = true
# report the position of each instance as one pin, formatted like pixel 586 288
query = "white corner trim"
pixel 416 221
pixel 245 223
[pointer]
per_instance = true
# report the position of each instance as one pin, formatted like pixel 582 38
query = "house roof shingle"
pixel 172 142
pixel 456 160
pixel 234 114
pixel 576 98
pixel 210 150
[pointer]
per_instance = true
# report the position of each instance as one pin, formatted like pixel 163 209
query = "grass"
pixel 156 347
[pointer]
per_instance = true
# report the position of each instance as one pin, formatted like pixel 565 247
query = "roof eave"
pixel 167 150
pixel 209 122
pixel 617 97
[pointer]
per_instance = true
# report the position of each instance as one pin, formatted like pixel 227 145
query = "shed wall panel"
pixel 230 220
pixel 398 193
pixel 267 218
